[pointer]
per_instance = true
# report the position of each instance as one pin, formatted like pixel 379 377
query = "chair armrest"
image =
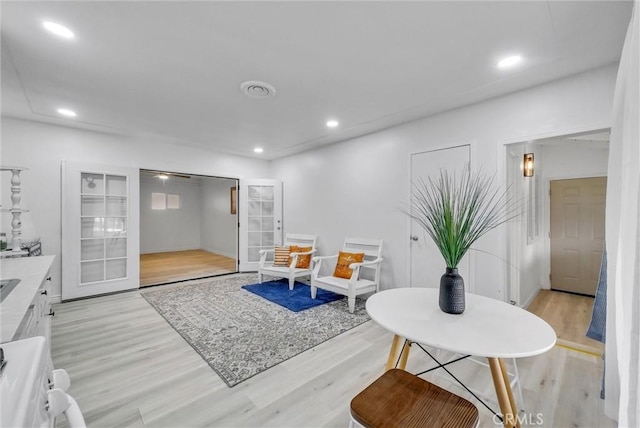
pixel 263 257
pixel 355 268
pixel 317 262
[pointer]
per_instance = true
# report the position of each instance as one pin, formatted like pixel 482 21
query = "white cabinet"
pixel 37 320
pixel 26 310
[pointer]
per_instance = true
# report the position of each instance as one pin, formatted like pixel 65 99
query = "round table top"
pixel 487 328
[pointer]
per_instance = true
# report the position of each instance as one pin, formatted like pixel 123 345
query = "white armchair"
pixel 357 283
pixel 291 272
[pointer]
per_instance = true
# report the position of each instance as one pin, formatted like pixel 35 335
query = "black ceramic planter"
pixel 452 292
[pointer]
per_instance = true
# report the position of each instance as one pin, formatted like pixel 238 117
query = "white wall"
pixel 42 148
pixel 356 187
pixel 170 229
pixel 219 227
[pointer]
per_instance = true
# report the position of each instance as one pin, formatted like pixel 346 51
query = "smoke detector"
pixel 257 89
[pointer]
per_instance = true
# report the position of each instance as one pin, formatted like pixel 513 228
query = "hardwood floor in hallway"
pixel 128 367
pixel 162 268
pixel 569 315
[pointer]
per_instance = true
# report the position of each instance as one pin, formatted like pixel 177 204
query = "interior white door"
pixel 577 233
pixel 260 214
pixel 427 264
pixel 100 229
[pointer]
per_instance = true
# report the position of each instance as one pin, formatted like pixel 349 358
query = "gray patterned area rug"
pixel 240 334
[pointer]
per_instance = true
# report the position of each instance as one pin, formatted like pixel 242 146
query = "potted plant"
pixel 456 211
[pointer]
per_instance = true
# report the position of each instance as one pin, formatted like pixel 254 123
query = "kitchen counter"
pixel 31 271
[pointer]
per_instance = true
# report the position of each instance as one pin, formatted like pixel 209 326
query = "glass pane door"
pixel 103 227
pixel 260 222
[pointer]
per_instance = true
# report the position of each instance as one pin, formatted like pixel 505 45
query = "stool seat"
pixel 401 399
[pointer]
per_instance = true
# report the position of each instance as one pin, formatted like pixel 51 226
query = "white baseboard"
pixel 56 299
pixel 526 304
pixel 221 252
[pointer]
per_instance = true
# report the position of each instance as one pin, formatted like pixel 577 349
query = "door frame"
pixel 200 175
pixel 502 150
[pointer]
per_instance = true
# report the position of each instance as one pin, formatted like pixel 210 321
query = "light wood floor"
pixel 569 315
pixel 161 268
pixel 128 367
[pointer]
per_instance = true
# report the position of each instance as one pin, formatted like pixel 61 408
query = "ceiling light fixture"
pixel 258 150
pixel 58 30
pixel 66 112
pixel 332 123
pixel 509 61
pixel 162 177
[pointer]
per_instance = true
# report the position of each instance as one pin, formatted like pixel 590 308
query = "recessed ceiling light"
pixel 258 150
pixel 509 61
pixel 58 30
pixel 67 112
pixel 332 123
pixel 162 176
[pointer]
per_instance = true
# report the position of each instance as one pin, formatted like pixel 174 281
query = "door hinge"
pixel 549 277
pixel 549 235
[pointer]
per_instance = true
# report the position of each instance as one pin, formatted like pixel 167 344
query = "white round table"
pixel 487 328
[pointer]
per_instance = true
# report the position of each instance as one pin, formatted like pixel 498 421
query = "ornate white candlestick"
pixel 15 210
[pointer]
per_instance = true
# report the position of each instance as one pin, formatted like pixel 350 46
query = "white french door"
pixel 260 216
pixel 427 264
pixel 100 229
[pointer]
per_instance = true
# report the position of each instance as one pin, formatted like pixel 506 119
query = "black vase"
pixel 452 292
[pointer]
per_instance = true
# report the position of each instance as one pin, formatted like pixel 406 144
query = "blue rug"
pixel 295 300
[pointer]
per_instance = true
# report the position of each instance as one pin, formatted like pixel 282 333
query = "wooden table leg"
pixel 391 360
pixel 512 401
pixel 405 355
pixel 503 392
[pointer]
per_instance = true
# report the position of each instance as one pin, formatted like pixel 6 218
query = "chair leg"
pixel 517 378
pixel 292 280
pixel 352 304
pixel 259 277
pixel 314 290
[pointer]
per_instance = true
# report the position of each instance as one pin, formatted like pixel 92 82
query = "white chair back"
pixel 372 249
pixel 300 240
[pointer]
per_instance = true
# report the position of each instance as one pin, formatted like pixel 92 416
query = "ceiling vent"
pixel 256 89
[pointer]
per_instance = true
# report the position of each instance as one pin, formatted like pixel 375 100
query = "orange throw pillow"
pixel 303 261
pixel 344 260
pixel 281 256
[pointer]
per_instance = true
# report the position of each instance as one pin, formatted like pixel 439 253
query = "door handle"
pixel 414 237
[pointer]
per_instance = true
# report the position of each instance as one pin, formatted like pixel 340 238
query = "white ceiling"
pixel 172 70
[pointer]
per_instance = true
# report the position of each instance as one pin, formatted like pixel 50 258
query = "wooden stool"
pixel 400 399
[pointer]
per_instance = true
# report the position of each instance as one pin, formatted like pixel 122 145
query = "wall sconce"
pixel 527 165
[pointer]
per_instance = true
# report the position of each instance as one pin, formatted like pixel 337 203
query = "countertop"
pixel 31 271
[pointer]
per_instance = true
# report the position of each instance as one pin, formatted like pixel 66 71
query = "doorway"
pixel 576 156
pixel 188 227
